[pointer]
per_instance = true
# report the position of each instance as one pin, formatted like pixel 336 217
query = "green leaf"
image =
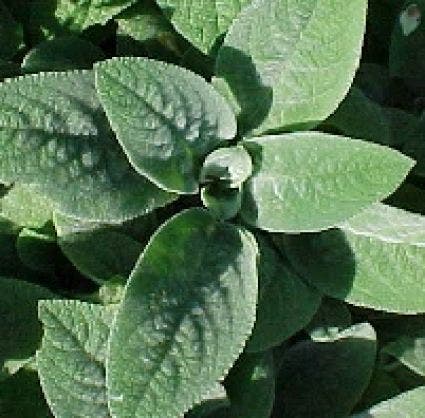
pixel 325 380
pixel 250 386
pixel 65 53
pixel 330 319
pixel 25 208
pixel 277 57
pixel 285 303
pixel 222 202
pixel 61 17
pixel 9 69
pixel 202 22
pixel 311 181
pixel 71 361
pixel 231 166
pixel 376 259
pixel 11 34
pixel 20 331
pixel 165 117
pixel 99 253
pixel 55 137
pixel 408 404
pixel 188 309
pixel 21 396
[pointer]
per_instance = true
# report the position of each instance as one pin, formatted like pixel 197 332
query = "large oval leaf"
pixel 326 379
pixel 310 181
pixel 278 55
pixel 55 137
pixel 407 405
pixel 188 309
pixel 165 117
pixel 376 259
pixel 202 21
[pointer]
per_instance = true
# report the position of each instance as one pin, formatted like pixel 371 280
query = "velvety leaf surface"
pixel 188 309
pixel 98 253
pixel 282 79
pixel 285 303
pixel 20 331
pixel 25 208
pixel 55 137
pixel 311 181
pixel 71 361
pixel 326 379
pixel 376 259
pixel 202 21
pixel 407 405
pixel 64 53
pixel 165 117
pixel 250 386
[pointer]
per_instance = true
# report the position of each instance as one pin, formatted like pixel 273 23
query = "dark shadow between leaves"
pixel 253 97
pixel 325 259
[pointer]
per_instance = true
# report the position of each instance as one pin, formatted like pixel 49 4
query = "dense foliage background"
pixel 300 292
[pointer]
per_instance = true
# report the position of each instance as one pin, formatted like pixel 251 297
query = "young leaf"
pixel 231 166
pixel 20 331
pixel 271 61
pixel 64 53
pixel 204 21
pixel 61 17
pixel 25 208
pixel 311 181
pixel 222 202
pixel 325 380
pixel 165 117
pixel 56 138
pixel 250 386
pixel 98 253
pixel 285 302
pixel 71 361
pixel 408 404
pixel 376 259
pixel 188 309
